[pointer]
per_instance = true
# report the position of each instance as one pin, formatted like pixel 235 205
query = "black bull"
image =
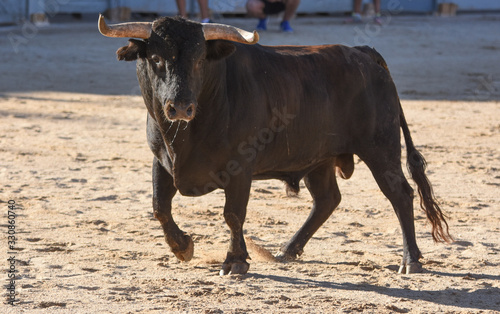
pixel 222 113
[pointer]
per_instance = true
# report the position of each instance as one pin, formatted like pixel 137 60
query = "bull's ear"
pixel 135 49
pixel 218 49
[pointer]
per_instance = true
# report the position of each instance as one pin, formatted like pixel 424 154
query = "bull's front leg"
pixel 164 190
pixel 237 193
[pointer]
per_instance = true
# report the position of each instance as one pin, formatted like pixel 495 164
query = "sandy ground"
pixel 74 158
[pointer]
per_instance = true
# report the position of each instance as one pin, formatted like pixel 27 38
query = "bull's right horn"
pixel 133 30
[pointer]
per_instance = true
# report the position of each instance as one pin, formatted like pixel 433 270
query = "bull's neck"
pixel 212 100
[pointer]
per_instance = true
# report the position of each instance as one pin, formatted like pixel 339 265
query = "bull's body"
pixel 277 112
pixel 271 112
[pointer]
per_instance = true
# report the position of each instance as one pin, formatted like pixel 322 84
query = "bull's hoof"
pixel 410 268
pixel 187 254
pixel 289 253
pixel 239 268
pixel 285 257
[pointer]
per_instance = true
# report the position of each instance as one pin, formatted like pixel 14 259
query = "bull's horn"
pixel 133 29
pixel 213 31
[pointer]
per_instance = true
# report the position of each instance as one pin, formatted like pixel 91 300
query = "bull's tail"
pixel 416 166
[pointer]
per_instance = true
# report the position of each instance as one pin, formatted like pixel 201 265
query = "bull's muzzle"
pixel 176 112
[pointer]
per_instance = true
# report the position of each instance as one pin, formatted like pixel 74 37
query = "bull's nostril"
pixel 189 111
pixel 171 111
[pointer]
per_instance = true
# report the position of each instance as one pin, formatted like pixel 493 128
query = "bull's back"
pixel 314 101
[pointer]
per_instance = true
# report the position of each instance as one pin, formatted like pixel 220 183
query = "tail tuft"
pixel 416 166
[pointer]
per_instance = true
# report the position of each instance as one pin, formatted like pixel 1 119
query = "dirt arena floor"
pixel 74 159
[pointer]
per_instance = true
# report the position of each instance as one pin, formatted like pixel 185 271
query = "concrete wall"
pixel 475 5
pixel 12 11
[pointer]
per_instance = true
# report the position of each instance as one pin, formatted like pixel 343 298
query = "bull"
pixel 223 110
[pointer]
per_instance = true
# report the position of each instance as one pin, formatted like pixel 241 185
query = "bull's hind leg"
pixel 323 187
pixel 164 190
pixel 386 168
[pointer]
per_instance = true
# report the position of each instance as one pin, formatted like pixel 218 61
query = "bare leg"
pixel 203 9
pixel 181 6
pixel 357 6
pixel 376 4
pixel 291 8
pixel 255 8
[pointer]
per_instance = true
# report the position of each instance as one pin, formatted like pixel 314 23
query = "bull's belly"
pixel 199 176
pixel 203 180
pixel 297 158
pixel 276 169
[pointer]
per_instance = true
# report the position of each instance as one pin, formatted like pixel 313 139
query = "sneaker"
pixel 354 19
pixel 207 20
pixel 377 20
pixel 262 26
pixel 285 27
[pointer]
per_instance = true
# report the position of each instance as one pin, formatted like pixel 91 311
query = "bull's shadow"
pixel 452 297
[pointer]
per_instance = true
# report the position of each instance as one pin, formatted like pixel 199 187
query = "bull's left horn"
pixel 214 31
pixel 133 29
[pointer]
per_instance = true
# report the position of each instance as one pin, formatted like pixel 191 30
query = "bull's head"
pixel 173 54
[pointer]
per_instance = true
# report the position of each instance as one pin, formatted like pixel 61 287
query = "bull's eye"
pixel 157 60
pixel 199 64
